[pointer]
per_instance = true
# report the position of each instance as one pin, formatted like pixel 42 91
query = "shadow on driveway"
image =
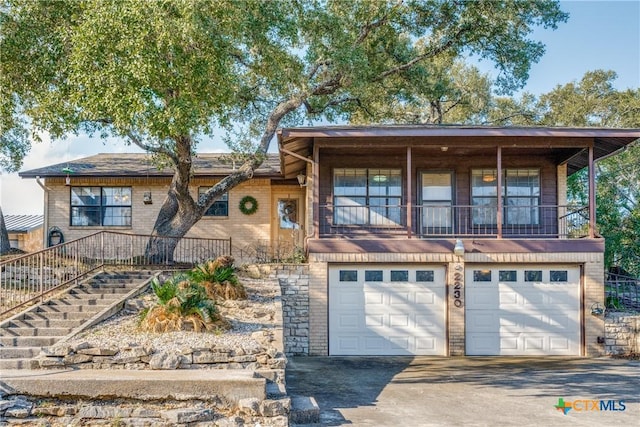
pixel 342 382
pixel 420 391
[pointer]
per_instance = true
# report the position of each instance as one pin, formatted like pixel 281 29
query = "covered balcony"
pixel 447 221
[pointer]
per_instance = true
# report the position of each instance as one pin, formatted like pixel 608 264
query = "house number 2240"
pixel 457 289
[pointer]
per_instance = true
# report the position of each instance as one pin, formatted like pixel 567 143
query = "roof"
pixel 570 145
pixel 23 223
pixel 139 164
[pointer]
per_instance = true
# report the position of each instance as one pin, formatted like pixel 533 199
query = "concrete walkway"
pixel 183 384
pixel 490 391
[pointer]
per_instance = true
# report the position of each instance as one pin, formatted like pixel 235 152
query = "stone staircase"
pixel 23 336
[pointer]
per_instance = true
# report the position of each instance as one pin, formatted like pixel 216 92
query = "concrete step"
pixel 39 341
pixel 59 306
pixel 45 323
pixel 34 332
pixel 18 352
pixel 22 364
pixel 184 384
pixel 48 314
pixel 304 411
pixel 78 300
pixel 108 290
pixel 84 294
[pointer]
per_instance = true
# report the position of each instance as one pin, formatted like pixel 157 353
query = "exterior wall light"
pixel 458 249
pixel 302 180
pixel 597 309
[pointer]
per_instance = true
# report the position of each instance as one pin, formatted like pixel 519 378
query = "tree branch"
pixel 432 52
pixel 151 148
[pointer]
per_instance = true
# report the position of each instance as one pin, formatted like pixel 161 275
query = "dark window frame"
pixel 388 210
pixel 219 208
pixel 101 207
pixel 492 200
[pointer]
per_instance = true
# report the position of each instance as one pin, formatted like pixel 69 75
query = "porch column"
pixel 499 179
pixel 592 194
pixel 409 193
pixel 316 190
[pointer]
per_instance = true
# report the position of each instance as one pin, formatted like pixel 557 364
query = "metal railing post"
pixel 41 274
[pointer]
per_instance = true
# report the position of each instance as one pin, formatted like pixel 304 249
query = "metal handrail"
pixel 31 277
pixel 437 220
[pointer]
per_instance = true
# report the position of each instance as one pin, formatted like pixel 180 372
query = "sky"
pixel 598 35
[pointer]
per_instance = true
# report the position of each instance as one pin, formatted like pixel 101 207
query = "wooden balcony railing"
pixel 445 221
pixel 31 277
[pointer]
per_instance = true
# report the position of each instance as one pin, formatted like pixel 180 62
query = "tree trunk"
pixel 179 212
pixel 5 245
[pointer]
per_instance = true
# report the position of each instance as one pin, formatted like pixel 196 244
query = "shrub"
pixel 181 305
pixel 219 279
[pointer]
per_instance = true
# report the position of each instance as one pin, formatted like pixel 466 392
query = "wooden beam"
pixel 409 193
pixel 592 194
pixel 499 179
pixel 316 190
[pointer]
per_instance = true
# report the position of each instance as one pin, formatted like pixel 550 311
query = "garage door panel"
pixel 482 344
pixel 427 321
pixel 426 344
pixel 482 321
pixel 524 318
pixel 373 343
pixel 374 320
pixel 349 321
pixel 392 318
pixel 425 298
pixel 400 342
pixel 508 298
pixel 479 299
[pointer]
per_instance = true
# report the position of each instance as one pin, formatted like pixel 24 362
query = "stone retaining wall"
pixel 23 411
pixel 266 355
pixel 622 333
pixel 294 287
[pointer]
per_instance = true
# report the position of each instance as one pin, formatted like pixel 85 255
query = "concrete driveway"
pixel 488 391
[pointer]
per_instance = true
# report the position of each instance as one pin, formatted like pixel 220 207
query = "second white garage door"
pixel 386 310
pixel 519 311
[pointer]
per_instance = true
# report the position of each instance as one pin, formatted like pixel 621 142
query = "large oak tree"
pixel 164 74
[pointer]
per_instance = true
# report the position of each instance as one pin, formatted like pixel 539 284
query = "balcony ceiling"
pixel 564 145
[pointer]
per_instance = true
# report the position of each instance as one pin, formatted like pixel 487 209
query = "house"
pixel 25 231
pixel 410 250
pixel 124 192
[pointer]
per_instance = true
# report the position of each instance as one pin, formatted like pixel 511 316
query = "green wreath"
pixel 252 205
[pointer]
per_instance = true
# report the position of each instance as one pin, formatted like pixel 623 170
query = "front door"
pixel 436 191
pixel 287 223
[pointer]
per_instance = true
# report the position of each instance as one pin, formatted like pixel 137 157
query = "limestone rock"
pixel 99 351
pixel 188 415
pixel 73 359
pixel 164 361
pixel 108 412
pixel 249 406
pixel 273 408
pixel 210 357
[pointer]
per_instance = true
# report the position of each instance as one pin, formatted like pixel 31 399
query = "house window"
pixel 220 207
pixel 520 196
pixel 367 197
pixel 101 206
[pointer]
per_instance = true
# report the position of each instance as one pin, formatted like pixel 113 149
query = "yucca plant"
pixel 181 303
pixel 219 279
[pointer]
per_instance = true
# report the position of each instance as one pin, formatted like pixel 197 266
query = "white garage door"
pixel 515 310
pixel 386 310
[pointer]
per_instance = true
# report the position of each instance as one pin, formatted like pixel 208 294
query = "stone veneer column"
pixel 294 285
